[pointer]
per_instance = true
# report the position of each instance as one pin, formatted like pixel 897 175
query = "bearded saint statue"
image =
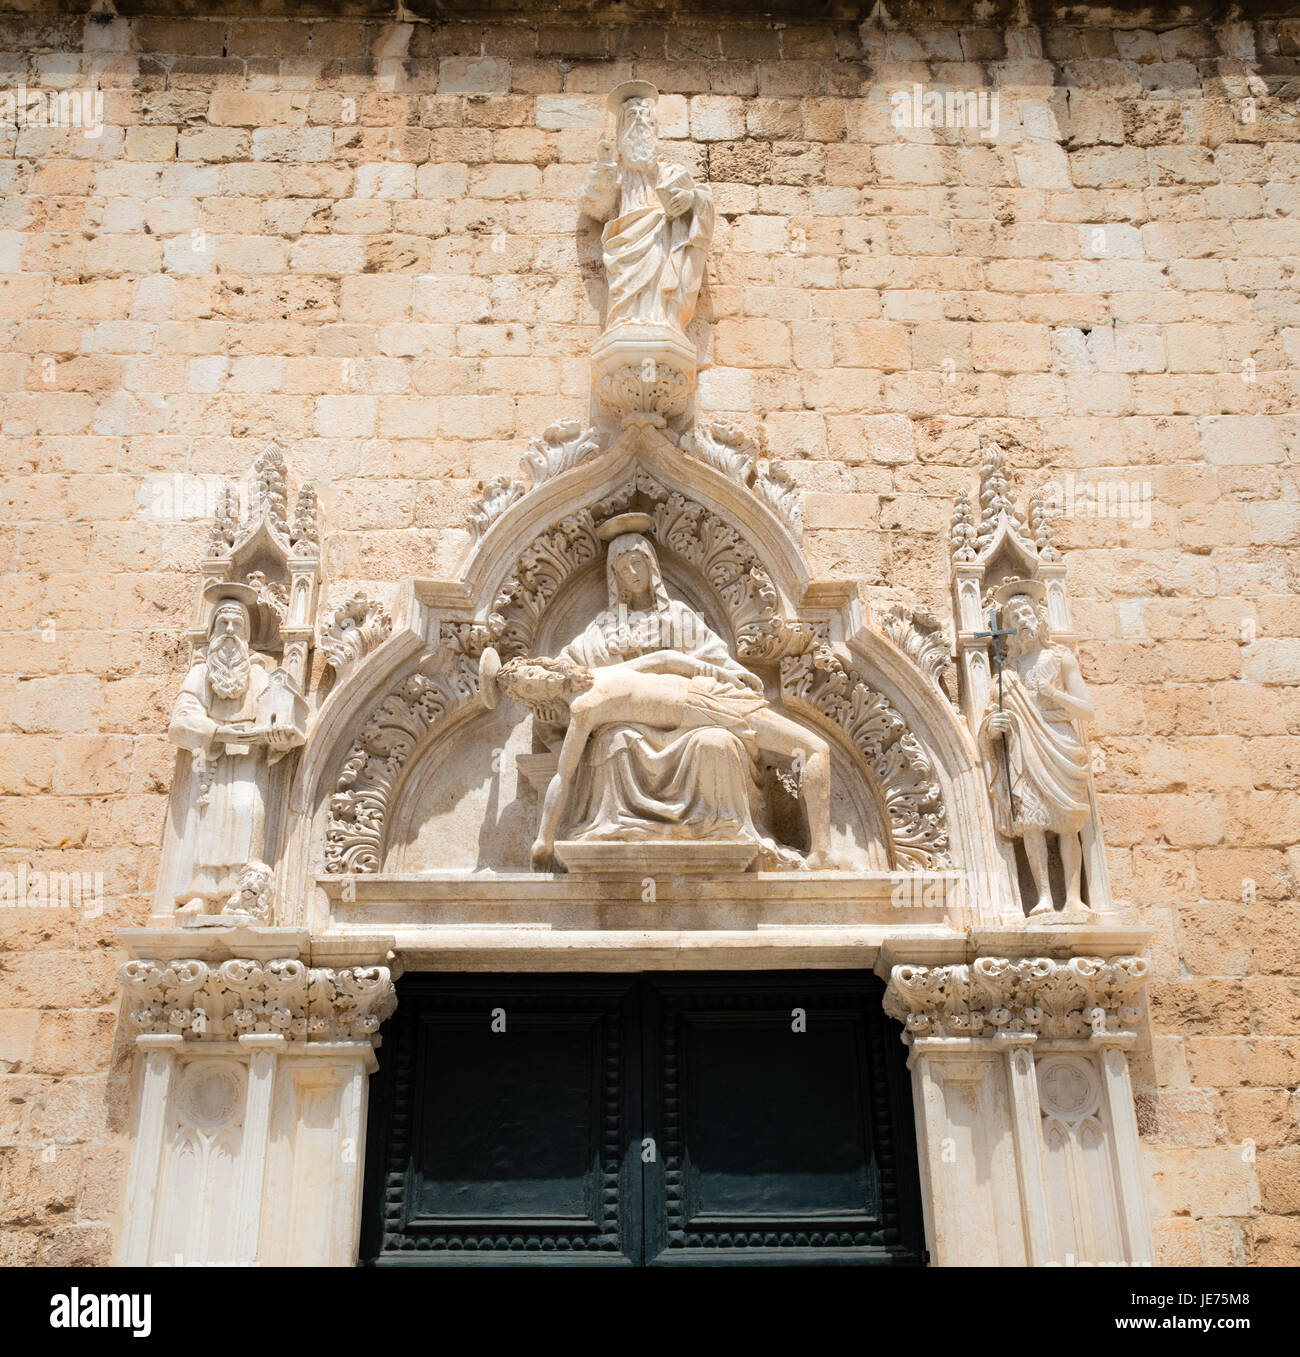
pixel 1033 742
pixel 658 222
pixel 220 716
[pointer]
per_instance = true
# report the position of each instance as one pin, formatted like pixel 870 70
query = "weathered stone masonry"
pixel 358 239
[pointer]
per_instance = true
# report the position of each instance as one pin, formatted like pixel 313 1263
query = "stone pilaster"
pixel 238 1056
pixel 1015 1174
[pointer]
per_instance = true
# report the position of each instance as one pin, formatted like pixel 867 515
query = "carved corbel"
pixel 359 626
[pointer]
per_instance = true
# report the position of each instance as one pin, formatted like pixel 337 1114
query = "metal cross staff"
pixel 995 635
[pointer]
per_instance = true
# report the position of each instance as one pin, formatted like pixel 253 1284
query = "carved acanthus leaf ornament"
pixel 395 726
pixel 357 628
pixel 921 637
pixel 206 1001
pixel 1074 998
pixel 913 799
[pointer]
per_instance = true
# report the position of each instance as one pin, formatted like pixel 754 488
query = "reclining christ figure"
pixel 688 697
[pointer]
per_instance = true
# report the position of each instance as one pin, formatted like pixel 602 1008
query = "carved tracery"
pixel 682 525
pixel 819 681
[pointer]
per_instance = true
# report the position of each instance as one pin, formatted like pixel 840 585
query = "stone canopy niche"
pixel 631 733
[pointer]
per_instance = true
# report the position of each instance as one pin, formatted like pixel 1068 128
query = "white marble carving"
pixel 1040 525
pixel 305 535
pixel 1028 1143
pixel 819 679
pixel 559 448
pixel 962 537
pixel 684 525
pixel 777 489
pixel 249 1120
pixel 658 221
pixel 1035 760
pixel 920 635
pixel 997 507
pixel 689 704
pixel 357 628
pixel 1072 998
pixel 498 495
pixel 1013 570
pixel 665 726
pixel 390 732
pixel 658 225
pixel 237 721
pixel 726 447
pixel 208 1001
pixel 250 901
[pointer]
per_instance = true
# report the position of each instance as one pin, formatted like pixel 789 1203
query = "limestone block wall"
pixel 360 239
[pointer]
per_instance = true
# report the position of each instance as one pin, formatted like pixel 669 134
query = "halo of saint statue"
pixel 663 728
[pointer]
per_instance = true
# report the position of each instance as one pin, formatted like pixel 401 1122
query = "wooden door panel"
pixel 773 1128
pixel 525 1145
pixel 776 1096
pixel 507 1146
pixel 531 1160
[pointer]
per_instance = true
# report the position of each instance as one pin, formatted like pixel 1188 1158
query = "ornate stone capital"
pixel 1078 997
pixel 221 1001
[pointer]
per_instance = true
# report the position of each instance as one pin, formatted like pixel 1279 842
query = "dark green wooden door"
pixel 619 1120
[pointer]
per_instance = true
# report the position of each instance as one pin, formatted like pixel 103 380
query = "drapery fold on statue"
pixel 651 258
pixel 700 780
pixel 1049 765
pixel 225 829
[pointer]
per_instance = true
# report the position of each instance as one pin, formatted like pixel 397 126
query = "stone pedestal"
pixel 643 369
pixel 670 857
pixel 249 1115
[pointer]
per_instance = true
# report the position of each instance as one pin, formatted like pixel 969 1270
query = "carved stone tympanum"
pixel 663 725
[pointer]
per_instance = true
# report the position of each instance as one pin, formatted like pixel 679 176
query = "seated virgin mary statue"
pixel 641 782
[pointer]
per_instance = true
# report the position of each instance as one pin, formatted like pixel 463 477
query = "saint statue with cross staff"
pixel 1035 757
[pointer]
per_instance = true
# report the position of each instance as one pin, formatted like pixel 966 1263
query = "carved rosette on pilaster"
pixel 203 1001
pixel 820 682
pixel 1069 999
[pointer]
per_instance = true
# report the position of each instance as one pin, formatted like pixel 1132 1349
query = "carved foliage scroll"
pixel 912 795
pixel 373 767
pixel 1066 999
